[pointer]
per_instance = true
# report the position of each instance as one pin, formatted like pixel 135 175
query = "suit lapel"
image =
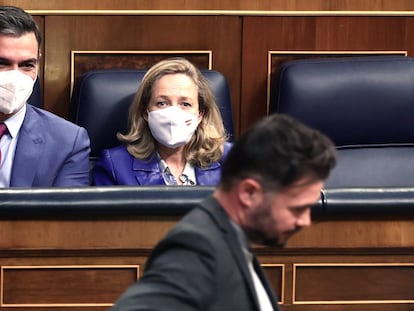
pixel 147 172
pixel 233 243
pixel 240 258
pixel 29 149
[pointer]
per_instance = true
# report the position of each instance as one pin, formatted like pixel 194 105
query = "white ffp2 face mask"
pixel 172 127
pixel 15 89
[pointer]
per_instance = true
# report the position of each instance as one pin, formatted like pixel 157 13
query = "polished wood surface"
pixel 138 33
pixel 82 247
pixel 240 51
pixel 317 35
pixel 243 5
pixel 240 41
pixel 75 262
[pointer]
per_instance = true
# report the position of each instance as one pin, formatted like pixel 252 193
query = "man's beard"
pixel 259 237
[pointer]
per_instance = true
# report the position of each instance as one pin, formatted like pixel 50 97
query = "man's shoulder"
pixel 206 217
pixel 49 118
pixel 42 124
pixel 195 232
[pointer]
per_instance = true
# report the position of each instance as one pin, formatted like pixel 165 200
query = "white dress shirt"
pixel 8 145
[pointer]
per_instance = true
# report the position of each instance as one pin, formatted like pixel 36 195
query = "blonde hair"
pixel 206 145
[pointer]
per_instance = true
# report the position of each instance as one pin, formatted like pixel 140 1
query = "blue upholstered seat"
pixel 36 98
pixel 101 100
pixel 365 105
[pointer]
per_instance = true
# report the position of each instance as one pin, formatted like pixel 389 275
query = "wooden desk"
pixel 69 257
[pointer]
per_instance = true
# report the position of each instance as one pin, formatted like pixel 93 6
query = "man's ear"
pixel 249 192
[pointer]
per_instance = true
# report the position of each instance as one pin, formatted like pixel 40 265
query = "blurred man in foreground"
pixel 270 179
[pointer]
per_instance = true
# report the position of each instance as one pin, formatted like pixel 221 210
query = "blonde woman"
pixel 175 136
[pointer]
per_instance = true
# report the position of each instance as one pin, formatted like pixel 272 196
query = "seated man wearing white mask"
pixel 37 148
pixel 176 134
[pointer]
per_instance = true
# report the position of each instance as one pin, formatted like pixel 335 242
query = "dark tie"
pixel 3 130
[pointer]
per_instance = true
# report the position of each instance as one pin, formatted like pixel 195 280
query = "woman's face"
pixel 177 90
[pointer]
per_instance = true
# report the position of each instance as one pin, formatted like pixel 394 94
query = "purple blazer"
pixel 117 167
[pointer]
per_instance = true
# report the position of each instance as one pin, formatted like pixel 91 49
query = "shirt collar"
pixel 14 123
pixel 187 176
pixel 241 236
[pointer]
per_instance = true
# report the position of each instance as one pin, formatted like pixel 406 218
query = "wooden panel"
pixel 272 258
pixel 320 34
pixel 356 234
pixel 265 5
pixel 95 234
pixel 141 232
pixel 96 251
pixel 64 285
pixel 336 283
pixel 82 61
pixel 222 35
pixel 297 279
pixel 219 34
pixel 276 274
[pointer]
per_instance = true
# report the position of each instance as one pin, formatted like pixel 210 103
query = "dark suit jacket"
pixel 117 167
pixel 199 265
pixel 50 152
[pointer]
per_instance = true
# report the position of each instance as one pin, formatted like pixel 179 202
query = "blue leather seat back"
pixel 365 105
pixel 36 98
pixel 101 99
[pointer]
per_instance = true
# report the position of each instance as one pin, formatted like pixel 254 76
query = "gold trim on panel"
pixel 321 53
pixel 222 12
pixel 73 54
pixel 282 290
pixel 38 305
pixel 324 302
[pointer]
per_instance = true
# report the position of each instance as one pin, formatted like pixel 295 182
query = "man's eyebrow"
pixel 30 60
pixel 4 60
pixel 302 206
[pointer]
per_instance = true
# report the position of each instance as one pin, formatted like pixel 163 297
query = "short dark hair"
pixel 278 150
pixel 15 22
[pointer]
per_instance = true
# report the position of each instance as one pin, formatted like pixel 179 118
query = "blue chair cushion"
pixel 365 105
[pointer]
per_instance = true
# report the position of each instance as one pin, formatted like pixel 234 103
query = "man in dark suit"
pixel 270 179
pixel 37 147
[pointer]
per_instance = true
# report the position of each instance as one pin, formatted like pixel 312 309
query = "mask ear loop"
pixel 36 77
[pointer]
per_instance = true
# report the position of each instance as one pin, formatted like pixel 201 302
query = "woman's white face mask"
pixel 172 127
pixel 15 90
